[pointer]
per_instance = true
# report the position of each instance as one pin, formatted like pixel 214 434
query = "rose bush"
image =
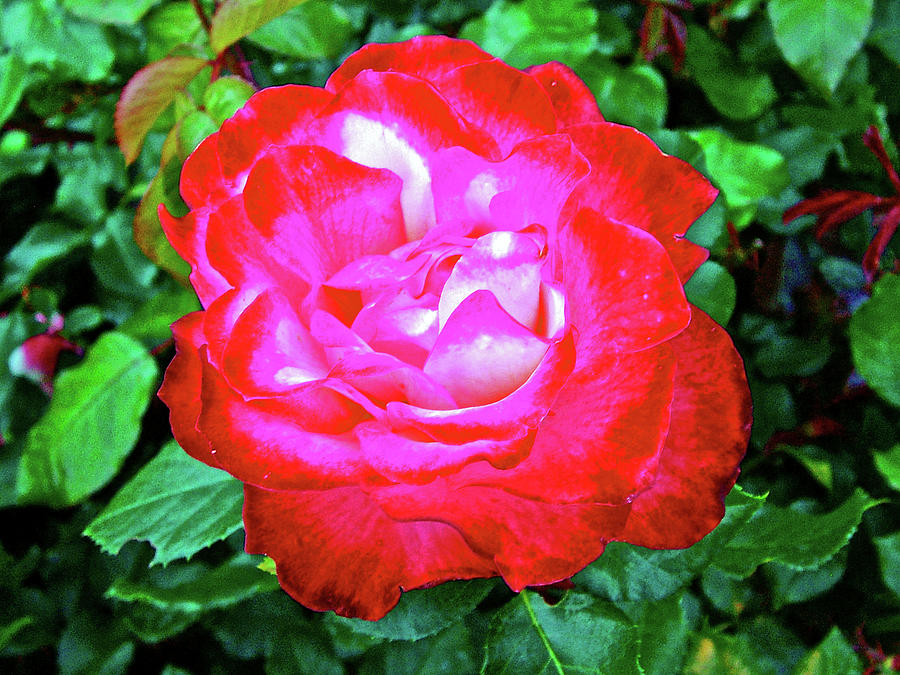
pixel 444 332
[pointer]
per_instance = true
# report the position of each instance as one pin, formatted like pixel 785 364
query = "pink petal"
pixel 529 186
pixel 269 351
pixel 202 181
pixel 400 458
pixel 317 211
pixel 385 378
pixel 572 101
pixel 510 417
pixel 401 325
pixel 504 263
pixel 711 417
pixel 337 550
pixel 396 122
pixel 632 182
pixel 428 57
pixel 622 291
pixel 482 354
pixel 503 101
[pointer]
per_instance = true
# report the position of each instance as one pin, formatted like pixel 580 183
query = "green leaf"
pixel 634 95
pixel 423 612
pixel 117 261
pixel 92 423
pixel 713 290
pixel 148 232
pixel 889 554
pixel 195 588
pixel 744 172
pixel 192 129
pixel 885 33
pixel 792 537
pixel 735 90
pixel 665 631
pixel 42 244
pixel 317 29
pixel 833 655
pixel 8 632
pixel 13 80
pixel 176 503
pixel 47 37
pixel 819 37
pixel 791 585
pixel 89 172
pixel 875 339
pixel 791 355
pixel 153 320
pixel 171 25
pixel 535 31
pixel 94 644
pixel 224 96
pixel 150 91
pixel 627 572
pixel 110 11
pixel 580 634
pixel 888 465
pixel 235 19
pixel 447 653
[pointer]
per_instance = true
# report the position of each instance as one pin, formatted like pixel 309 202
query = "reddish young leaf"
pixel 146 95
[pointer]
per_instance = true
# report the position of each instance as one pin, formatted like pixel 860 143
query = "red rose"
pixel 445 334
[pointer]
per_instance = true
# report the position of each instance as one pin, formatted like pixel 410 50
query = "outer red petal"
pixel 202 181
pixel 273 116
pixel 180 389
pixel 428 57
pixel 298 441
pixel 503 101
pixel 634 183
pixel 572 100
pixel 337 550
pixel 187 236
pixel 602 439
pixel 708 436
pixel 532 543
pixel 622 292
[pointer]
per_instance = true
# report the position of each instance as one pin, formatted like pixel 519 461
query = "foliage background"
pixel 118 553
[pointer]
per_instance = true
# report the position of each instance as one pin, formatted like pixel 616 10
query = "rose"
pixel 444 332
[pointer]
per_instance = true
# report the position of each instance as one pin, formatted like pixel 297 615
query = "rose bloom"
pixel 444 332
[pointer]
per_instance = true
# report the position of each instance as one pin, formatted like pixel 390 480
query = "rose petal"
pixel 396 122
pixel 337 550
pixel 710 429
pixel 277 116
pixel 529 186
pixel 386 378
pixel 427 56
pixel 269 350
pixel 572 101
pixel 612 421
pixel 482 354
pixel 318 211
pixel 622 292
pixel 180 389
pixel 419 461
pixel 532 543
pixel 634 183
pixel 503 101
pixel 187 236
pixel 202 181
pixel 298 441
pixel 401 325
pixel 504 263
pixel 509 417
